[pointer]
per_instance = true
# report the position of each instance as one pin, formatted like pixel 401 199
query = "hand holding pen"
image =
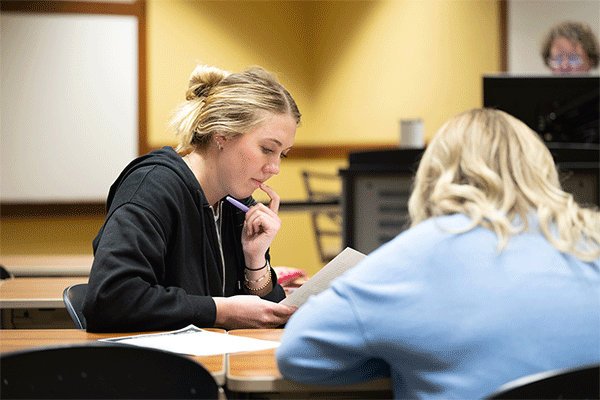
pixel 261 225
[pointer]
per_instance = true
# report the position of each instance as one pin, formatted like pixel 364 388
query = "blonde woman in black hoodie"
pixel 172 251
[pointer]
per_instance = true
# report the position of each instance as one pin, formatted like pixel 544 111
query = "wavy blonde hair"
pixel 493 168
pixel 228 104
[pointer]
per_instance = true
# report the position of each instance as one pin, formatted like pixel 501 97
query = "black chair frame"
pixel 103 370
pixel 325 223
pixel 572 383
pixel 73 297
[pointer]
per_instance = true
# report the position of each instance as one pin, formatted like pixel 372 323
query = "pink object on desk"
pixel 287 275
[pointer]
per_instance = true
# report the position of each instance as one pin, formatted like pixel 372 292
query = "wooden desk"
pixel 19 339
pixel 35 292
pixel 48 265
pixel 256 374
pixel 35 302
pixel 246 374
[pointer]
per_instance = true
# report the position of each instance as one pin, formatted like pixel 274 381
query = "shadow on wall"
pixel 294 25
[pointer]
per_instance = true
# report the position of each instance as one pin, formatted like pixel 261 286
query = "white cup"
pixel 411 133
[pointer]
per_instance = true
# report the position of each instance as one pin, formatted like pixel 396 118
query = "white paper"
pixel 196 342
pixel 347 259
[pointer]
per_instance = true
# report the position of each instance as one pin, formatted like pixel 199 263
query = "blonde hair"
pixel 228 104
pixel 493 168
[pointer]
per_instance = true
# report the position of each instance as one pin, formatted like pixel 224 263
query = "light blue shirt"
pixel 447 315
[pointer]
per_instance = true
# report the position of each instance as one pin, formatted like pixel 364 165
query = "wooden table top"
pixel 19 339
pixel 257 371
pixel 35 292
pixel 48 264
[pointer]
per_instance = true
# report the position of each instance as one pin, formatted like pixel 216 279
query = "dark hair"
pixel 575 32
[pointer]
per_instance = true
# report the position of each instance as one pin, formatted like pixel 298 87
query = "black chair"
pixel 101 370
pixel 327 225
pixel 573 383
pixel 73 298
pixel 4 273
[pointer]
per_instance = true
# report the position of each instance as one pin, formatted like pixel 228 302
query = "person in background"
pixel 570 48
pixel 171 251
pixel 498 277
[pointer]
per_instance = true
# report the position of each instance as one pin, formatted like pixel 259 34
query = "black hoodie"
pixel 157 262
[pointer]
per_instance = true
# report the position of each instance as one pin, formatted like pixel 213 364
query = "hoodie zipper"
pixel 218 224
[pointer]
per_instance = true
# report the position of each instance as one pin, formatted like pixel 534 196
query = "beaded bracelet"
pixel 262 287
pixel 259 279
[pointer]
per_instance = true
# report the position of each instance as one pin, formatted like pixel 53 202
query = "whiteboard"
pixel 68 106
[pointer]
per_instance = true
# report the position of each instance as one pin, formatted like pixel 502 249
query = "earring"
pixel 219 145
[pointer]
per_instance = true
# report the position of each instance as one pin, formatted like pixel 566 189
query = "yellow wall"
pixel 355 69
pixel 406 59
pixel 228 34
pixel 71 235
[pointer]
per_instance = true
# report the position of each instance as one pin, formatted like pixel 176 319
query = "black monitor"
pixel 565 112
pixel 561 109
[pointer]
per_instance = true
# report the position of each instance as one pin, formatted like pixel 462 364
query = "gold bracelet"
pixel 262 287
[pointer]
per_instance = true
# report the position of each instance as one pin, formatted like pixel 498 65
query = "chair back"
pixel 327 225
pixel 73 297
pixel 99 370
pixel 4 273
pixel 572 383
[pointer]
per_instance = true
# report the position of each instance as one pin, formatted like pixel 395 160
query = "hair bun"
pixel 203 79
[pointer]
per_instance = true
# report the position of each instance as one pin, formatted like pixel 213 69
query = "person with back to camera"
pixel 570 48
pixel 498 277
pixel 171 251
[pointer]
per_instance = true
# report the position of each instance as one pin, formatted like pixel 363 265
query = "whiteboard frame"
pixel 82 205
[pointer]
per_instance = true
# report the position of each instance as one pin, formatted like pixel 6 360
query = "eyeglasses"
pixel 572 61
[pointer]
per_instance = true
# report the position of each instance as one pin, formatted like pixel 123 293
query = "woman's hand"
pixel 261 225
pixel 239 312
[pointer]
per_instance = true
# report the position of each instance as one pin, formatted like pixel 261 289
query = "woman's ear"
pixel 220 141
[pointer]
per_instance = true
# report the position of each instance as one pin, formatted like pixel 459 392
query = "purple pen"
pixel 237 203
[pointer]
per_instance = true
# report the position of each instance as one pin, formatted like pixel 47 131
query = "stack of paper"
pixel 196 342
